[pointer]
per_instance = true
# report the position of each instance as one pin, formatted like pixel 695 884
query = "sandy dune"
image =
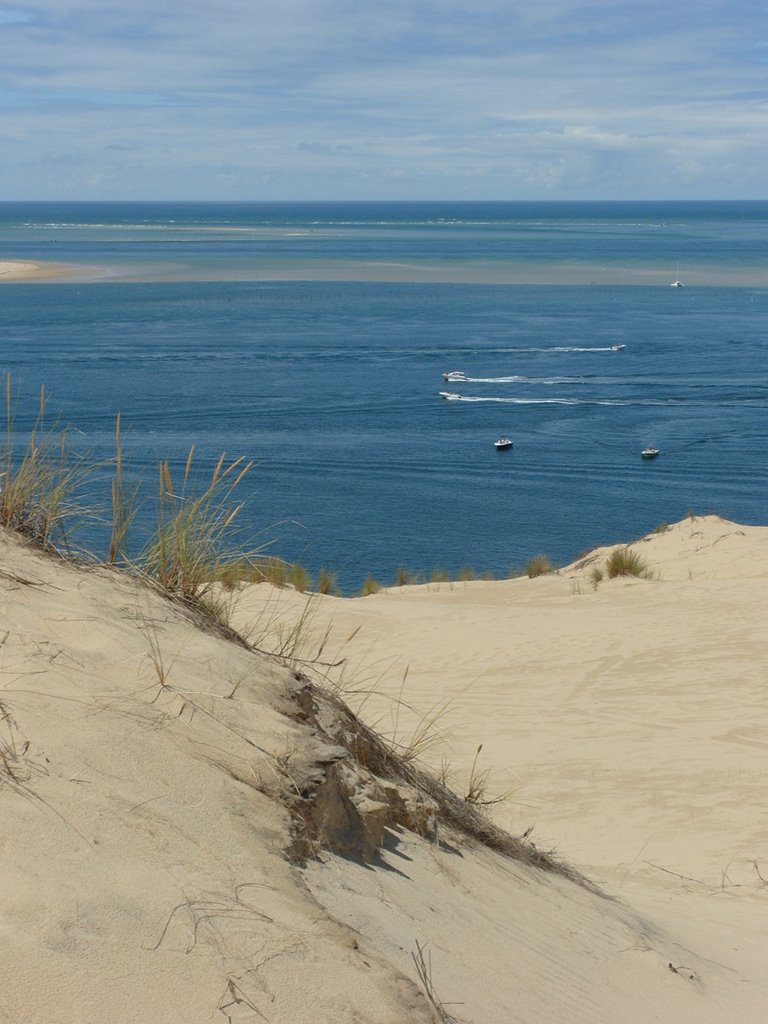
pixel 159 784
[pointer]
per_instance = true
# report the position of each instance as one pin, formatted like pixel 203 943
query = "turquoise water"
pixel 311 338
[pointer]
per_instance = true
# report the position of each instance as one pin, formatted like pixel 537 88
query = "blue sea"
pixel 311 338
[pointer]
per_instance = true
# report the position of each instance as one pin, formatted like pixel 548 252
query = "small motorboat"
pixel 502 443
pixel 450 396
pixel 649 453
pixel 618 348
pixel 455 375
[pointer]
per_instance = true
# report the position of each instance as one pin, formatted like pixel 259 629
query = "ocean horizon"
pixel 312 339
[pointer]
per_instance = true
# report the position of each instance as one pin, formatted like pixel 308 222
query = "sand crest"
pixel 151 774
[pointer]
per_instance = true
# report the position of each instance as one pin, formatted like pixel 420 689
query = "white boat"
pixel 455 375
pixel 451 396
pixel 618 348
pixel 649 453
pixel 677 283
pixel 502 443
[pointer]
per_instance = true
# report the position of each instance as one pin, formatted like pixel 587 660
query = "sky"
pixel 395 99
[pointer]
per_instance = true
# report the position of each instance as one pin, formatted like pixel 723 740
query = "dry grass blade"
pixel 477 787
pixel 423 967
pixel 124 506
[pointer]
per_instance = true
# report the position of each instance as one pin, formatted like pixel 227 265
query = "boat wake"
pixel 565 401
pixel 521 380
pixel 556 348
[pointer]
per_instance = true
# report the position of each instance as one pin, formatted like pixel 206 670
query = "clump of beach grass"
pixel 272 570
pixel 625 562
pixel 539 565
pixel 37 486
pixel 596 576
pixel 477 786
pixel 193 536
pixel 326 581
pixel 406 577
pixel 370 586
pixel 299 578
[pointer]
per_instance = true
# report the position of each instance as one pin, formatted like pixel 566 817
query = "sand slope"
pixel 147 769
pixel 627 722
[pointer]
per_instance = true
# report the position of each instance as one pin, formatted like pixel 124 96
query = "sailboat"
pixel 677 283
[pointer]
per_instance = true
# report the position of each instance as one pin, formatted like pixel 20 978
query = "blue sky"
pixel 337 99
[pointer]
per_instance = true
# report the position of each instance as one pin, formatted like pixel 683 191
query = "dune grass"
pixel 38 485
pixel 596 576
pixel 625 562
pixel 406 577
pixel 370 586
pixel 192 542
pixel 539 565
pixel 326 581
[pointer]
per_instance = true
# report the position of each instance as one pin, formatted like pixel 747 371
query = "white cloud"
pixel 331 97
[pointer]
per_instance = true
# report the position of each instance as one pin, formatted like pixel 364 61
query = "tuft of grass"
pixel 218 604
pixel 423 967
pixel 405 577
pixel 439 575
pixel 270 570
pixel 624 562
pixel 466 574
pixel 539 565
pixel 477 787
pixel 326 581
pixel 189 548
pixel 299 578
pixel 427 734
pixel 38 485
pixel 596 576
pixel 12 764
pixel 290 638
pixel 162 668
pixel 370 586
pixel 231 575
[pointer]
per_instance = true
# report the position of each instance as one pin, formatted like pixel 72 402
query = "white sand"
pixel 143 875
pixel 13 270
pixel 16 270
